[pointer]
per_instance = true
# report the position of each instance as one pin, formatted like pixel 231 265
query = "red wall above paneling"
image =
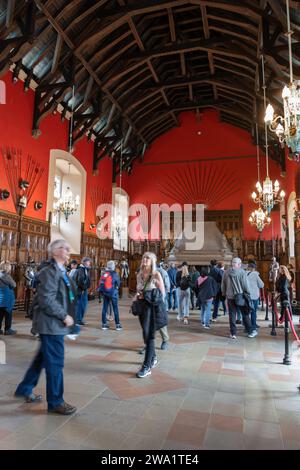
pixel 15 131
pixel 209 162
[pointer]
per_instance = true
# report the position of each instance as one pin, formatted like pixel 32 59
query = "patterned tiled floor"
pixel 208 392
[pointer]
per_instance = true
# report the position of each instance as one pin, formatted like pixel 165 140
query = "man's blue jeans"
pixel 254 313
pixel 81 305
pixel 206 312
pixel 173 295
pixel 51 357
pixel 114 301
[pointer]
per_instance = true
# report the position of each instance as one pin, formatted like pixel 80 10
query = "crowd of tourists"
pixel 61 296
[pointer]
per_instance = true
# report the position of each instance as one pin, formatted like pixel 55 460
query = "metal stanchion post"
pixel 273 330
pixel 267 306
pixel 286 358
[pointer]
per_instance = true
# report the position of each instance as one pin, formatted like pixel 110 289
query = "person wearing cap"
pixel 109 287
pixel 83 282
pixel 255 283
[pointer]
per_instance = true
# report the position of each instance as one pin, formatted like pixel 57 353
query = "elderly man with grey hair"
pixel 109 287
pixel 53 315
pixel 235 282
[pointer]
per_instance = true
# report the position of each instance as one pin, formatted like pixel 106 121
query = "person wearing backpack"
pixel 109 288
pixel 82 280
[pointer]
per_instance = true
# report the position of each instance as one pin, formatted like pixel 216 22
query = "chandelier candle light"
pixel 67 204
pixel 118 223
pixel 260 218
pixel 268 194
pixel 287 127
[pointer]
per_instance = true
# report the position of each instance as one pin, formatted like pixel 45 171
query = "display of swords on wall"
pixel 23 175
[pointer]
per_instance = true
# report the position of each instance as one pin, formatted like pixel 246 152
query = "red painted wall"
pixel 15 131
pixel 180 167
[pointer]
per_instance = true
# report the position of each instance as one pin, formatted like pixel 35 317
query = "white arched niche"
pixel 291 206
pixel 73 176
pixel 120 211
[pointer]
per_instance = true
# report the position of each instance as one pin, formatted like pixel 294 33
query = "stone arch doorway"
pixel 120 201
pixel 291 207
pixel 66 171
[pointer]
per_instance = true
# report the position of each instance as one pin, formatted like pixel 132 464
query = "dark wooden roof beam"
pixel 159 132
pixel 70 44
pixel 245 25
pixel 57 53
pixel 235 34
pixel 148 112
pixel 132 105
pixel 204 45
pixel 209 54
pixel 125 83
pixel 158 127
pixel 219 80
pixel 153 122
pixel 238 64
pixel 10 13
pixel 88 89
pixel 182 64
pixel 171 25
pixel 233 71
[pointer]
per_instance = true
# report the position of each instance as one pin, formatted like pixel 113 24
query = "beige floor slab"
pixel 207 392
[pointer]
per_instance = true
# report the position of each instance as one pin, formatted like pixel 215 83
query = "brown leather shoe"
pixel 63 409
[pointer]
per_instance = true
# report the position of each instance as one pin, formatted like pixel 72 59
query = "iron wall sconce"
pixel 4 194
pixel 23 184
pixel 38 205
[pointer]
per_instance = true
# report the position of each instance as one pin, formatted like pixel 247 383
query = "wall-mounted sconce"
pixel 4 194
pixel 38 205
pixel 23 184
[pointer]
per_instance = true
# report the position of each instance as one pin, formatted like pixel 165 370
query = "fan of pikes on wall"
pixel 204 183
pixel 23 175
pixel 98 196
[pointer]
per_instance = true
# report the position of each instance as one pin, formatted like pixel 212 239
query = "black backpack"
pixel 184 283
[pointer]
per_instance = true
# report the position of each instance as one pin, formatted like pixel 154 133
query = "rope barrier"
pixel 288 312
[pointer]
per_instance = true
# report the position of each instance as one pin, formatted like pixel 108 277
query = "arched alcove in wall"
pixel 66 169
pixel 291 206
pixel 120 211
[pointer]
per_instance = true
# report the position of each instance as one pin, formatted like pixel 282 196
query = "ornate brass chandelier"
pixel 67 204
pixel 269 193
pixel 260 218
pixel 119 223
pixel 287 127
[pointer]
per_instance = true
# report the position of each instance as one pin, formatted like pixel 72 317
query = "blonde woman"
pixel 148 279
pixel 184 294
pixel 7 298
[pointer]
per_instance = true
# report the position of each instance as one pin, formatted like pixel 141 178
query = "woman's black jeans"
pixel 147 321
